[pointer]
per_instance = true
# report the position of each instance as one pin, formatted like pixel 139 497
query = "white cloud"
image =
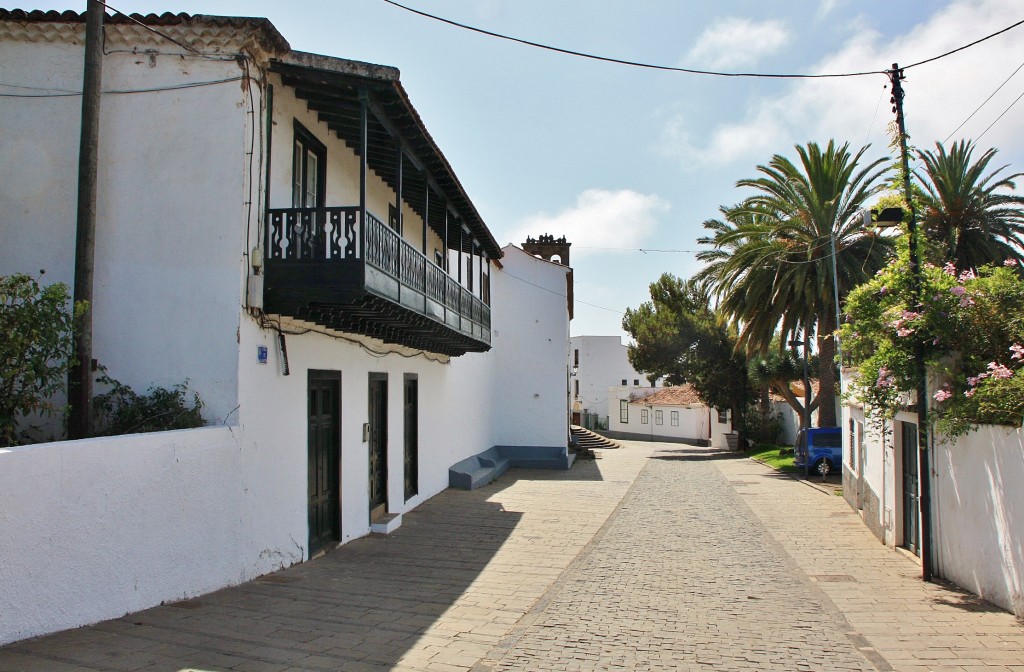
pixel 599 219
pixel 939 95
pixel 732 42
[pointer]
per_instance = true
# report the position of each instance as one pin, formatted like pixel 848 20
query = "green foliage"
pixel 972 328
pixel 36 323
pixel 677 335
pixel 776 457
pixel 969 217
pixel 121 410
pixel 771 259
pixel 762 427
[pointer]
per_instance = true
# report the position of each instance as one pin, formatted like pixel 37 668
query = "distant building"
pixel 599 363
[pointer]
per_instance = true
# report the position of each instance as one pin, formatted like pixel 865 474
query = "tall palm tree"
pixel 962 213
pixel 771 256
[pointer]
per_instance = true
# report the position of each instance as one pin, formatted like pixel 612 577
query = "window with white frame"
pixel 623 411
pixel 674 418
pixel 643 416
pixel 659 417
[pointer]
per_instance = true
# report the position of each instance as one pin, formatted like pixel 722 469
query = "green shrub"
pixel 121 410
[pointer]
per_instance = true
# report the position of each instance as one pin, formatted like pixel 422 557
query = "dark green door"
pixel 324 450
pixel 378 440
pixel 412 437
pixel 911 506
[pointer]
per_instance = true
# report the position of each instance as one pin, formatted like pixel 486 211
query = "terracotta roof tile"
pixel 679 395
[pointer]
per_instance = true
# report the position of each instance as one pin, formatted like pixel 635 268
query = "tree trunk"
pixel 826 370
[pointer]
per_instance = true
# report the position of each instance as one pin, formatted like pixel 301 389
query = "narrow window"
pixel 309 165
pixel 577 381
pixel 576 357
pixel 643 416
pixel 723 416
pixel 623 411
pixel 674 417
pixel 659 418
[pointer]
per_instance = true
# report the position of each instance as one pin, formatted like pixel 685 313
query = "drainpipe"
pixel 80 375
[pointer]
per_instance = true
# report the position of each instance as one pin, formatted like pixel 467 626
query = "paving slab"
pixel 652 557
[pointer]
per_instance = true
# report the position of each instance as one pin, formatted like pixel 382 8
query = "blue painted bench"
pixel 482 468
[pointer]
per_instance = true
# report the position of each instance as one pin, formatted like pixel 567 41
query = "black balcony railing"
pixel 321 261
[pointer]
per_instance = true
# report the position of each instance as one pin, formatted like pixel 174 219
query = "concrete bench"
pixel 478 470
pixel 482 468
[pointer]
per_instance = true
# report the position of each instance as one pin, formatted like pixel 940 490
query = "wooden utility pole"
pixel 80 374
pixel 924 468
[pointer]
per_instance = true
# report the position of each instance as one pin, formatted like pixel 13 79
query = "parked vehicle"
pixel 819 449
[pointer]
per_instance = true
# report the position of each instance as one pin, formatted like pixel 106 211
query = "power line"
pixel 636 64
pixel 692 71
pixel 61 93
pixel 985 102
pixel 1016 100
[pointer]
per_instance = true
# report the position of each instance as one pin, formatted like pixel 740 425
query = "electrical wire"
pixel 636 64
pixel 692 71
pixel 186 47
pixel 60 93
pixel 971 116
pixel 1016 100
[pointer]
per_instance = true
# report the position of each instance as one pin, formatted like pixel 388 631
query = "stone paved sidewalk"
pixel 654 557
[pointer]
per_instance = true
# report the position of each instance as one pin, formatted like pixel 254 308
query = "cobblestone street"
pixel 652 557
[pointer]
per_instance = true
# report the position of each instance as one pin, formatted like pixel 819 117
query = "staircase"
pixel 588 441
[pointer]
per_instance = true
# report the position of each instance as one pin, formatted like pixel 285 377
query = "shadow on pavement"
pixel 695 455
pixel 365 604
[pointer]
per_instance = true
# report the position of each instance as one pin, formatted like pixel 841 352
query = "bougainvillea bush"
pixel 971 327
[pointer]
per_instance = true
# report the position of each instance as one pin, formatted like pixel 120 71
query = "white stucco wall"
pixel 695 423
pixel 977 504
pixel 530 338
pixel 97 528
pixel 171 210
pixel 603 363
pixel 979 514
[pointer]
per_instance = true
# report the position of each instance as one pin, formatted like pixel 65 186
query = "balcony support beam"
pixel 364 152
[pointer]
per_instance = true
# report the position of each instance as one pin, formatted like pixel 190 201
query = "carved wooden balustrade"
pixel 322 265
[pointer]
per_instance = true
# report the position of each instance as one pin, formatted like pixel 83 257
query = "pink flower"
pixel 958 290
pixel 967 275
pixel 999 371
pixel 910 315
pixel 970 393
pixel 903 332
pixel 885 378
pixel 1010 262
pixel 966 301
pixel 1017 350
pixel 949 268
pixel 942 395
pixel 974 380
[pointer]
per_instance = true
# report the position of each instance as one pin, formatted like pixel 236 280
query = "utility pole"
pixel 924 469
pixel 80 374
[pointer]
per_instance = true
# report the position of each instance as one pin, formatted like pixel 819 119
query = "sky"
pixel 628 162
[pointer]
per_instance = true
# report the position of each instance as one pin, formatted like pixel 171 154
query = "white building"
pixel 599 363
pixel 977 504
pixel 279 229
pixel 674 414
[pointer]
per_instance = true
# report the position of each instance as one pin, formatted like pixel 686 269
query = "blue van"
pixel 819 449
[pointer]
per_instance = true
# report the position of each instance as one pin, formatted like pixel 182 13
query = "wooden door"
pixel 323 457
pixel 911 499
pixel 378 440
pixel 412 433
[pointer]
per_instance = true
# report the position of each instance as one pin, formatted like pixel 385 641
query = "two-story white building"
pixel 279 229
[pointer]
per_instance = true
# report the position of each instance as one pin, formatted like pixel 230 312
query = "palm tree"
pixel 771 256
pixel 962 213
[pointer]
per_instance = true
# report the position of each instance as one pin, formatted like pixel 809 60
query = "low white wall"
pixel 97 528
pixel 979 514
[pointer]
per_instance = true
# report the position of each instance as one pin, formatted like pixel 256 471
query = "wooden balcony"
pixel 324 265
